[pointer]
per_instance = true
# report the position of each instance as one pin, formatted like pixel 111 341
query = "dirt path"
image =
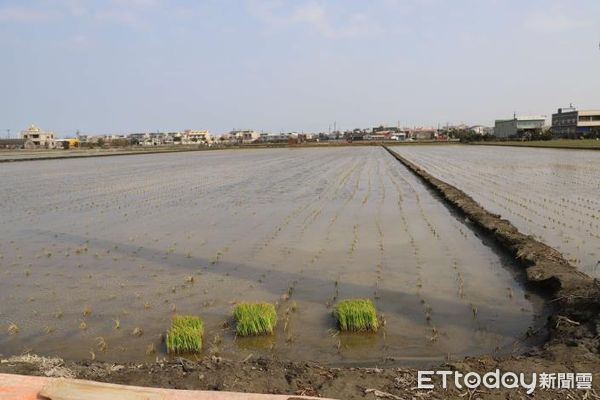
pixel 279 377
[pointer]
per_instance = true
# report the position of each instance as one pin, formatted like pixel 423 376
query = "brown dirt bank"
pixel 283 377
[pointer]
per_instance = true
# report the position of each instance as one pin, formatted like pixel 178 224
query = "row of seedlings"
pixel 255 319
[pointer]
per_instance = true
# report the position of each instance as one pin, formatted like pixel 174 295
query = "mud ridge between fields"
pixel 572 343
pixel 573 295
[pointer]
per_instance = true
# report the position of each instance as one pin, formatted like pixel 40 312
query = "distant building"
pixel 39 137
pixel 69 143
pixel 481 130
pixel 275 138
pixel 519 126
pixel 572 123
pixel 192 136
pixel 141 139
pixel 423 133
pixel 385 129
pixel 244 136
pixel 16 144
pixel 356 134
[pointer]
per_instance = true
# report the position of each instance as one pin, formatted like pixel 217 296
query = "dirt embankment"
pixel 572 343
pixel 263 375
pixel 574 324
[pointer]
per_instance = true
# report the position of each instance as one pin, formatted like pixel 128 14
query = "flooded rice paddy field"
pixel 552 194
pixel 96 255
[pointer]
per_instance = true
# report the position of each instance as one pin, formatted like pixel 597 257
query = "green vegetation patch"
pixel 185 334
pixel 356 315
pixel 253 319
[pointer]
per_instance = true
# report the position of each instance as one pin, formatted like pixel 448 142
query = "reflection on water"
pixel 92 249
pixel 549 193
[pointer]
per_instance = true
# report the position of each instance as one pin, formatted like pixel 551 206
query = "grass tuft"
pixel 185 334
pixel 253 319
pixel 356 315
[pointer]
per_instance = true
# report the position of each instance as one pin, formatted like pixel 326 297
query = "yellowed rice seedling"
pixel 13 328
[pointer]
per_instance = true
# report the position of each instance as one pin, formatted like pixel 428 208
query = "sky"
pixel 118 66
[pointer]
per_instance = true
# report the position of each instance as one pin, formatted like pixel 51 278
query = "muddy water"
pixel 549 193
pixel 92 249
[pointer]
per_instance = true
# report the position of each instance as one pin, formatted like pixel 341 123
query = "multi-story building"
pixel 572 123
pixel 244 136
pixel 38 137
pixel 191 136
pixel 141 139
pixel 519 126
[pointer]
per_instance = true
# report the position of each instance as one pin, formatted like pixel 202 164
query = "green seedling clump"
pixel 185 334
pixel 356 315
pixel 253 319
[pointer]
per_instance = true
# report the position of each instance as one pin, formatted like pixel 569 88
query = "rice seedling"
pixel 356 315
pixel 150 349
pixel 474 310
pixel 101 344
pixel 185 334
pixel 215 344
pixel 434 335
pixel 137 331
pixel 254 319
pixel 13 328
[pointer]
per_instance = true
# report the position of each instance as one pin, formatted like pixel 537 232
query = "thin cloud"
pixel 17 14
pixel 314 16
pixel 554 20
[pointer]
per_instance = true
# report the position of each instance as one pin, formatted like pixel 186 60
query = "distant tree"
pixel 120 142
pixel 544 134
pixel 464 135
pixel 593 133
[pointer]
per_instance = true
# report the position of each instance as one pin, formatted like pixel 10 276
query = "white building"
pixel 481 130
pixel 142 139
pixel 39 137
pixel 244 136
pixel 191 136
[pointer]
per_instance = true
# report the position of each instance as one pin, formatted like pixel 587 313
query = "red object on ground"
pixel 19 387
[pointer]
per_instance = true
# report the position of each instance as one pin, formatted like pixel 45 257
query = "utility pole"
pixel 8 133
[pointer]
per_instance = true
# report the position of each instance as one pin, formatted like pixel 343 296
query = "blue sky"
pixel 140 65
